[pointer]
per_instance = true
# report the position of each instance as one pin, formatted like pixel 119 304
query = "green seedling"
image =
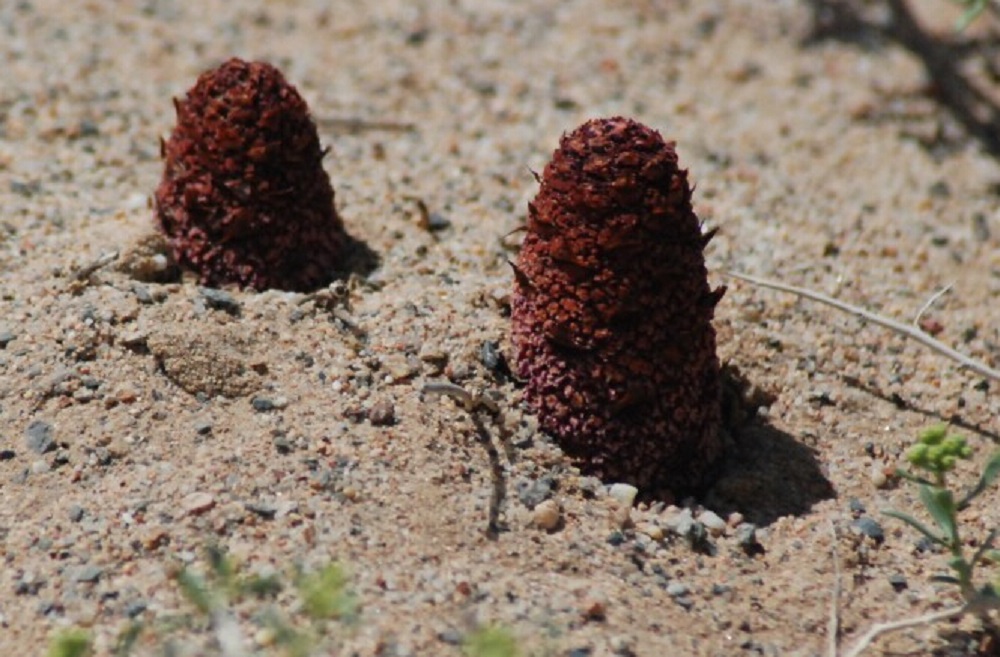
pixel 71 643
pixel 973 8
pixel 935 454
pixel 490 641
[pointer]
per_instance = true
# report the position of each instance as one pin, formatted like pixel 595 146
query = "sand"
pixel 291 428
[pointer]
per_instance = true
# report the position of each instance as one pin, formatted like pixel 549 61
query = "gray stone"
pixel 88 574
pixel 220 300
pixel 38 437
pixel 533 493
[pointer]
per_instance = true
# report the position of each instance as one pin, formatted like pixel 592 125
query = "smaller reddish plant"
pixel 244 198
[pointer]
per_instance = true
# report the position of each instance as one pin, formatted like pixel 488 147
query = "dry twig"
pixel 898 327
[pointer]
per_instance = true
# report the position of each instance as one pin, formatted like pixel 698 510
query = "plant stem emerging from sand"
pixel 903 329
pixel 481 409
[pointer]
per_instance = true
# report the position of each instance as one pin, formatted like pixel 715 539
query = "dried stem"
pixel 877 630
pixel 898 327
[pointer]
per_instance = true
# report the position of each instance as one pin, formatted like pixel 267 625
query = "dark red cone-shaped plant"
pixel 612 311
pixel 244 198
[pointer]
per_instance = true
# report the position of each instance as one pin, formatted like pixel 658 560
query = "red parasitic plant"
pixel 244 198
pixel 612 311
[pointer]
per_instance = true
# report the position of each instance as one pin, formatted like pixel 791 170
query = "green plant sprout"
pixel 973 8
pixel 71 643
pixel 490 641
pixel 323 595
pixel 935 454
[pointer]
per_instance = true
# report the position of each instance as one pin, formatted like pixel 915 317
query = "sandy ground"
pixel 819 150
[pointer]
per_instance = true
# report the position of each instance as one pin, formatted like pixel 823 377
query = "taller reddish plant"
pixel 612 310
pixel 244 198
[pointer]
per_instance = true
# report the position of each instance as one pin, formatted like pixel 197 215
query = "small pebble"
pixel 6 337
pixel 868 526
pixel 265 404
pixel 898 582
pixel 546 515
pixel 746 538
pixel 451 637
pixel 680 523
pixel 197 503
pixel 7 454
pixel 878 477
pixel 38 437
pixel 382 413
pixel 651 530
pixel 88 574
pixel 76 513
pixel 40 467
pixel 715 525
pixel 532 493
pixel 220 300
pixel 135 608
pixel 677 589
pixel 624 493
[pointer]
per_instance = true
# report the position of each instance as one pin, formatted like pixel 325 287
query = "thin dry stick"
pixel 877 630
pixel 899 327
pixel 930 302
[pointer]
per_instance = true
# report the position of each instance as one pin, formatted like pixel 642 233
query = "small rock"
pixel 746 538
pixel 494 360
pixel 203 427
pixel 38 437
pixel 680 523
pixel 878 477
pixel 547 515
pixel 265 511
pixel 197 503
pixel 595 608
pixel 220 300
pixel 451 637
pixel 76 513
pixel 135 608
pixel 7 454
pixel 533 493
pixel 651 530
pixel 40 466
pixel 382 413
pixel 856 506
pixel 262 404
pixel 622 646
pixel 88 574
pixel 6 337
pixel 624 493
pixel 154 537
pixel 715 525
pixel 898 582
pixel 734 520
pixel 616 538
pixel 868 526
pixel 677 589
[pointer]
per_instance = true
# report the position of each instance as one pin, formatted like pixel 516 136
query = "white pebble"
pixel 624 493
pixel 715 525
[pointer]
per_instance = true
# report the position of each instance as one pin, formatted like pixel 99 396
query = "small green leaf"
pixel 941 505
pixel 916 524
pixel 490 641
pixel 71 643
pixel 325 595
pixel 195 589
